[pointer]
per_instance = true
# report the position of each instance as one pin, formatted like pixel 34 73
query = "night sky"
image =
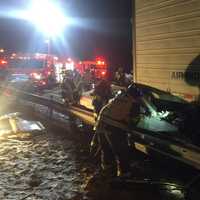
pixel 103 29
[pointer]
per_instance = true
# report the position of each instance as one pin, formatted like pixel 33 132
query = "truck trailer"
pixel 166 45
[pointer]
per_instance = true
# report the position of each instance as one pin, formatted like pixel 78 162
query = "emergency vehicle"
pixel 3 64
pixel 3 68
pixel 98 67
pixel 61 66
pixel 38 67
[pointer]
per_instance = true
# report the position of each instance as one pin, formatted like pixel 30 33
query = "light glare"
pixel 47 17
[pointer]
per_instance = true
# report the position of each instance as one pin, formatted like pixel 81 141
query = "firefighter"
pixel 120 76
pixel 88 79
pixel 68 87
pixel 111 129
pixel 77 78
pixel 101 95
pixel 78 82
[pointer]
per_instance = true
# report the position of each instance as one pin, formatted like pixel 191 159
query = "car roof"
pixel 146 88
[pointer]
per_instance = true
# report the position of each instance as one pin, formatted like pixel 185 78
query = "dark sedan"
pixel 166 125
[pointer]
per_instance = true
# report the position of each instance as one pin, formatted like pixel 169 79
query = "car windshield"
pixel 160 94
pixel 28 63
pixel 166 96
pixel 157 100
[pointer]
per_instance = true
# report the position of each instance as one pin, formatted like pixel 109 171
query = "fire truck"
pixel 3 64
pixel 99 68
pixel 39 68
pixel 3 69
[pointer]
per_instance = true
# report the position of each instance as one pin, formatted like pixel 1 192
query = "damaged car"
pixel 151 121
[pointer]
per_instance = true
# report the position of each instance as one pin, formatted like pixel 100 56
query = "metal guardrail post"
pixel 51 107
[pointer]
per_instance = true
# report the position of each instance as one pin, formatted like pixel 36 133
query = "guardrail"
pixel 77 111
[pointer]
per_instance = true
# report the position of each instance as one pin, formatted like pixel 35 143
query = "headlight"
pixel 37 76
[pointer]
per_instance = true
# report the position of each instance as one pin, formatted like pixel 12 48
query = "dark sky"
pixel 103 29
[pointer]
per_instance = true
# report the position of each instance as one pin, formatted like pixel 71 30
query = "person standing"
pixel 68 87
pixel 101 95
pixel 111 129
pixel 120 76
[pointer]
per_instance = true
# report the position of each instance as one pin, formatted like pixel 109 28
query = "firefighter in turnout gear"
pixel 119 77
pixel 68 88
pixel 72 87
pixel 102 94
pixel 111 130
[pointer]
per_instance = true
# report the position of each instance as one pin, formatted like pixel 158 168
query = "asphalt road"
pixel 57 165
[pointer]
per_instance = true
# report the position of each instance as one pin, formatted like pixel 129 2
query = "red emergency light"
pixel 100 62
pixel 44 82
pixel 103 73
pixel 3 62
pixel 49 72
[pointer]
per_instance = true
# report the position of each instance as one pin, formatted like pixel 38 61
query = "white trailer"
pixel 166 45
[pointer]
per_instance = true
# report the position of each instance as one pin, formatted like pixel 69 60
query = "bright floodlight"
pixel 47 17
